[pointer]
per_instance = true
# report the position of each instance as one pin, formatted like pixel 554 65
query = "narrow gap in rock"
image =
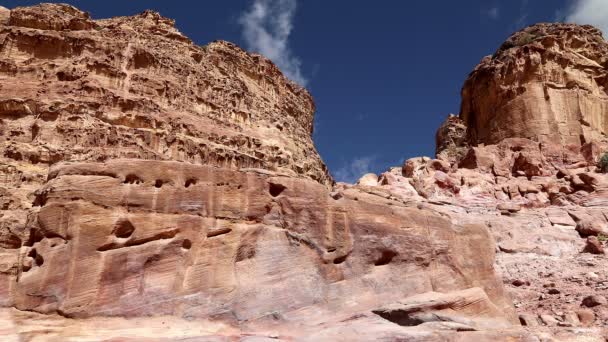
pixel 399 317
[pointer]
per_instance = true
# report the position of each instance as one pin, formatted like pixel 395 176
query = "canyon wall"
pixel 153 189
pixel 149 179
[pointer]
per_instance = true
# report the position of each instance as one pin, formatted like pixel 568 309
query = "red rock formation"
pixel 546 83
pixel 148 182
pixel 77 89
pixel 148 178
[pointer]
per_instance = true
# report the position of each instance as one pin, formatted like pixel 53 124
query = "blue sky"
pixel 384 74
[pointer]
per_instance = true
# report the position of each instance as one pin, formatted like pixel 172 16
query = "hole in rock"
pixel 40 199
pixel 11 242
pixel 123 229
pixel 132 179
pixel 400 317
pixel 245 252
pixel 218 231
pixel 35 131
pixel 158 183
pixel 187 244
pixel 276 189
pixel 37 257
pixel 190 181
pixel 385 258
pixel 340 260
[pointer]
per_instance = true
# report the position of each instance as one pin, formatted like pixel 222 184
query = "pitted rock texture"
pixel 546 83
pixel 134 238
pixel 153 190
pixel 451 140
pixel 77 89
pixel 543 203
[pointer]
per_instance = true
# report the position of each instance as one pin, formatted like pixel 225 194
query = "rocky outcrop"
pixel 82 90
pixel 451 140
pixel 546 83
pixel 135 238
pixel 149 180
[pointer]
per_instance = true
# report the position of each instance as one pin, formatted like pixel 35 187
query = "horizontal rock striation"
pixel 136 238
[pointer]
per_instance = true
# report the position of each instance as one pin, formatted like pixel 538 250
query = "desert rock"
pixel 545 82
pixel 147 181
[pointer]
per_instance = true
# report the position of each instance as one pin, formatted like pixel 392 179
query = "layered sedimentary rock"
pixel 146 180
pixel 78 89
pixel 156 190
pixel 547 208
pixel 136 238
pixel 523 157
pixel 546 83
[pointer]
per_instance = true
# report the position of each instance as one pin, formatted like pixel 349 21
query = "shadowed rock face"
pixel 546 83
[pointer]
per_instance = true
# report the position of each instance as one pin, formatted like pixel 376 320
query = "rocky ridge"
pixel 150 182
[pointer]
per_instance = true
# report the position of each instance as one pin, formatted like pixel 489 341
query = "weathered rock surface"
pixel 148 182
pixel 546 83
pixel 78 89
pixel 147 178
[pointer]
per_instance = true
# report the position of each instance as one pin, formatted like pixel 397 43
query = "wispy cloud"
pixel 594 12
pixel 493 12
pixel 353 170
pixel 267 25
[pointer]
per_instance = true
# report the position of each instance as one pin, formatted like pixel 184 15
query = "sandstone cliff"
pixel 146 176
pixel 134 87
pixel 546 83
pixel 156 190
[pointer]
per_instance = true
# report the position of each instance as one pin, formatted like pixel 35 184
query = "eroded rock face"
pixel 451 140
pixel 148 182
pixel 146 177
pixel 136 238
pixel 77 89
pixel 546 83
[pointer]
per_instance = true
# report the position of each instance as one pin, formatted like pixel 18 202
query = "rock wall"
pixel 546 83
pixel 135 238
pixel 75 89
pixel 147 180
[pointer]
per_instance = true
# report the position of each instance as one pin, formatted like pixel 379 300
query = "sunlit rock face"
pixel 78 89
pixel 149 182
pixel 134 238
pixel 546 83
pixel 152 189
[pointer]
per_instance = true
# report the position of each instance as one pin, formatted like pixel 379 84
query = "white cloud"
pixel 594 12
pixel 352 171
pixel 267 25
pixel 493 12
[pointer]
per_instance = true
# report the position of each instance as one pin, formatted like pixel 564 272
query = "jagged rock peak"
pixel 47 16
pixel 547 82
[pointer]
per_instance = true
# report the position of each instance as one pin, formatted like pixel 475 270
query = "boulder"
pixel 369 179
